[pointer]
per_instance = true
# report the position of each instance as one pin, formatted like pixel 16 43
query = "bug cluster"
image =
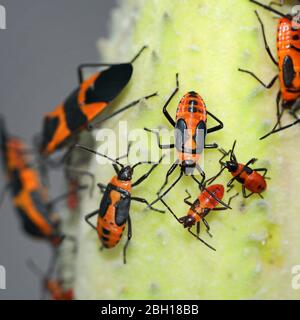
pixel 27 180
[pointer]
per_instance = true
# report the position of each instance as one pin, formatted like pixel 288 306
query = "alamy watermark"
pixel 2 278
pixel 185 146
pixel 2 18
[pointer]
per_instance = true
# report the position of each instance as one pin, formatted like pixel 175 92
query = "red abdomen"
pixel 207 200
pixel 252 180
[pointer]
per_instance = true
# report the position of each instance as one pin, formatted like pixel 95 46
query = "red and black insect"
pixel 250 179
pixel 288 51
pixel 190 134
pixel 85 103
pixel 54 288
pixel 29 196
pixel 113 214
pixel 200 208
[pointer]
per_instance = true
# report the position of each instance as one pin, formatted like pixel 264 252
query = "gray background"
pixel 44 42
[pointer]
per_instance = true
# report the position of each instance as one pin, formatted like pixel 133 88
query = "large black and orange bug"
pixel 91 98
pixel 250 179
pixel 29 196
pixel 50 286
pixel 200 208
pixel 114 211
pixel 288 51
pixel 190 134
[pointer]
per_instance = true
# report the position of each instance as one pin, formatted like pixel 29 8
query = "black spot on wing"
pixel 49 128
pixel 200 136
pixel 105 231
pixel 16 183
pixel 28 226
pixel 122 210
pixel 288 71
pixel 109 83
pixel 105 202
pixel 181 134
pixel 75 118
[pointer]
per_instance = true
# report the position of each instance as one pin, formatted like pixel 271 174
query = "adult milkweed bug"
pixel 85 103
pixel 55 288
pixel 250 179
pixel 190 133
pixel 288 51
pixel 113 214
pixel 200 208
pixel 29 196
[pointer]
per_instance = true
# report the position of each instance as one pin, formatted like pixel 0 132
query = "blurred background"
pixel 40 50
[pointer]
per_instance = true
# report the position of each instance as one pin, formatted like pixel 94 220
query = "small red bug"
pixel 55 288
pixel 288 51
pixel 190 133
pixel 113 213
pixel 93 95
pixel 200 208
pixel 250 179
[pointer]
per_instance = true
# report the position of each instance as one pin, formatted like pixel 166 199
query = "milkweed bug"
pixel 250 179
pixel 50 286
pixel 288 51
pixel 190 133
pixel 113 214
pixel 29 196
pixel 94 94
pixel 200 208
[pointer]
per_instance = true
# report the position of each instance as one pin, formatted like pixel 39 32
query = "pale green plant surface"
pixel 257 242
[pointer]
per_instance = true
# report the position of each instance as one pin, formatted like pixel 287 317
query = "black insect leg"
pixel 229 202
pixel 194 235
pixel 170 210
pixel 212 179
pixel 269 8
pixel 267 86
pixel 281 129
pixel 172 185
pixel 207 227
pixel 265 39
pixel 146 175
pixel 89 216
pixel 138 54
pixel 165 111
pixel 161 146
pixel 198 228
pixel 245 195
pixel 170 171
pixel 217 127
pixel 129 235
pixel 128 106
pixel 211 146
pixel 142 200
pixel 264 170
pixel 186 200
pixel 102 187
